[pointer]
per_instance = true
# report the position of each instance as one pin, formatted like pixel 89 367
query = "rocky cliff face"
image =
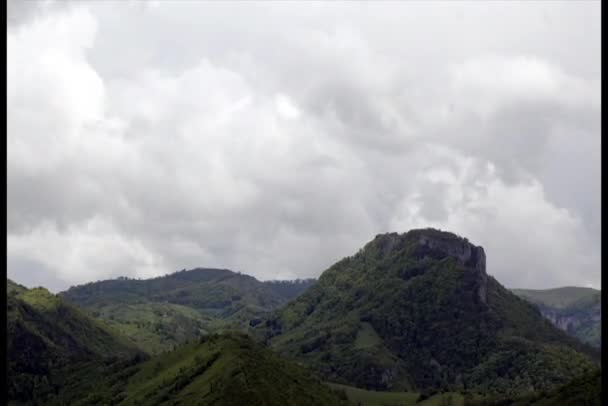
pixel 582 323
pixel 465 253
pixel 575 310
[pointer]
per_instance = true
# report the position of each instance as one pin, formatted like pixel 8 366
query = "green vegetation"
pixel 13 288
pixel 584 390
pixel 411 319
pixel 577 311
pixel 418 312
pixel 158 314
pixel 364 397
pixel 155 327
pixel 227 369
pixel 46 337
pixel 367 337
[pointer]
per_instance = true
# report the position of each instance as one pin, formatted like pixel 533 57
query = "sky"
pixel 276 138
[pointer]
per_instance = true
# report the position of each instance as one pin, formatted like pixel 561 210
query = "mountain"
pixel 158 314
pixel 417 311
pixel 58 354
pixel 47 338
pixel 575 310
pixel 226 369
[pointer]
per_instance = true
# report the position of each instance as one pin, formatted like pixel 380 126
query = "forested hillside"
pixel 418 311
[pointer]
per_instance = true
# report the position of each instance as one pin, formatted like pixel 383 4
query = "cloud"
pixel 515 225
pixel 89 251
pixel 276 140
pixel 285 107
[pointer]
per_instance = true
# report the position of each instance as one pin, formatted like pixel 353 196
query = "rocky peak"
pixel 388 242
pixel 437 244
pixel 460 248
pixel 467 254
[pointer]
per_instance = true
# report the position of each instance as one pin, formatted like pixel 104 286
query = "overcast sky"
pixel 276 138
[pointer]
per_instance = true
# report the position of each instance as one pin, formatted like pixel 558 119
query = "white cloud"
pixel 89 251
pixel 145 140
pixel 490 82
pixel 52 91
pixel 528 241
pixel 285 107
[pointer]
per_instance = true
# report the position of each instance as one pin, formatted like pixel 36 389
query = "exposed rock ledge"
pixel 467 254
pixel 442 243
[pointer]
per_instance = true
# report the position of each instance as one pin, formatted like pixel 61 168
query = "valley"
pixel 577 311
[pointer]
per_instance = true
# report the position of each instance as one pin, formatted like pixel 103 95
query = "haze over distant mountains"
pixel 575 310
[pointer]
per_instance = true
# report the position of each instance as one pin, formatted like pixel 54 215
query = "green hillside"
pixel 417 311
pixel 158 314
pixel 578 311
pixel 584 390
pixel 46 336
pixel 364 397
pixel 228 369
pixel 156 327
pixel 13 288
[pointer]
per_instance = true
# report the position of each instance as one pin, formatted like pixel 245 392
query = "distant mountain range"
pixel 575 310
pixel 158 314
pixel 415 314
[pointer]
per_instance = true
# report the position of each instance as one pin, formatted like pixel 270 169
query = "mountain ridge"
pixel 159 313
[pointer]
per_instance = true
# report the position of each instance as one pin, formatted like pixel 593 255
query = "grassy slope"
pixel 45 336
pixel 155 327
pixel 86 333
pixel 364 397
pixel 584 390
pixel 433 330
pixel 373 398
pixel 228 369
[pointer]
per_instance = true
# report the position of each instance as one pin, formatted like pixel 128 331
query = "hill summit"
pixel 434 244
pixel 417 311
pixel 160 313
